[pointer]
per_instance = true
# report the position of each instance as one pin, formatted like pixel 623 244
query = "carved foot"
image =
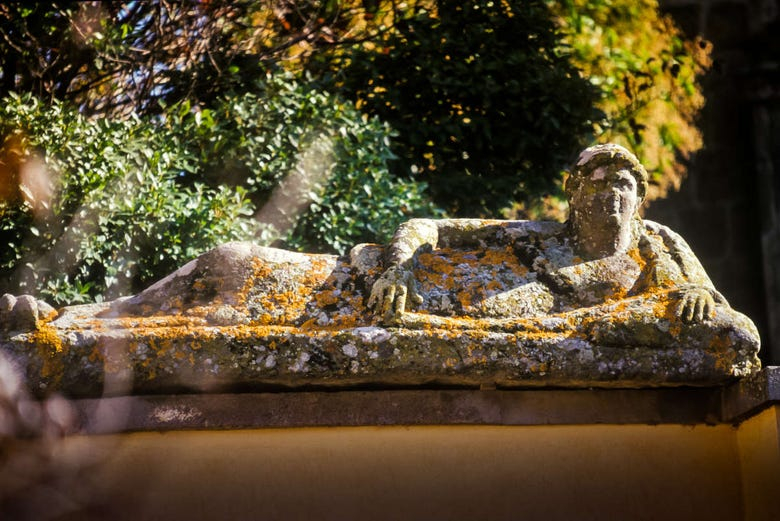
pixel 22 313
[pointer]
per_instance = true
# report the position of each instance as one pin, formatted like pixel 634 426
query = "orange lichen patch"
pixel 494 285
pixel 636 256
pixel 505 257
pixel 438 270
pixel 49 346
pixel 664 306
pixel 309 324
pixel 720 343
pixel 466 298
pixel 96 355
pixel 469 276
pixel 287 300
pixel 351 312
pixel 162 321
pixel 327 297
pixel 451 363
pixel 287 304
pixel 46 337
pixel 263 320
pixel 251 333
pixel 619 294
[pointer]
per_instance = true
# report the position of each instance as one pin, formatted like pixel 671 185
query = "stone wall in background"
pixel 728 208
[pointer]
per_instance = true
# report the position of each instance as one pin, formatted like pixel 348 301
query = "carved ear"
pixel 641 187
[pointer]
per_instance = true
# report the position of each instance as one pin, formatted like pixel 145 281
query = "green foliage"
pixel 100 211
pixel 647 75
pixel 487 106
pixel 315 167
pixel 113 205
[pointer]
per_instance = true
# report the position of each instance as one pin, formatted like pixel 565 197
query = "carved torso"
pixel 536 270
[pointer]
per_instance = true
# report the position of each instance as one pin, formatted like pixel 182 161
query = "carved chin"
pixel 606 227
pixel 603 238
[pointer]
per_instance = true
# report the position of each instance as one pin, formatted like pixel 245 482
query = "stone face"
pixel 605 299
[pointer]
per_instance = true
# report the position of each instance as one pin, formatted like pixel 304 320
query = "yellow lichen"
pixel 46 337
pixel 50 348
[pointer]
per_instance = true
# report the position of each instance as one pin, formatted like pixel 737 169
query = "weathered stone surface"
pixel 605 299
pixel 23 312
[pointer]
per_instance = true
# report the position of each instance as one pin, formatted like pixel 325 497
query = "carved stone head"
pixel 605 191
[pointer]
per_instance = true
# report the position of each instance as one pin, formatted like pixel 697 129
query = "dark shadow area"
pixel 727 207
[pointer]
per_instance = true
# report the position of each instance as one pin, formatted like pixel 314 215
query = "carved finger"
pixel 698 308
pixel 400 299
pixel 387 302
pixel 684 309
pixel 709 306
pixel 376 295
pixel 417 297
pixel 412 290
pixel 680 311
pixel 690 309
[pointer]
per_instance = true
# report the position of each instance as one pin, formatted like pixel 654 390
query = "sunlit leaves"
pixel 647 75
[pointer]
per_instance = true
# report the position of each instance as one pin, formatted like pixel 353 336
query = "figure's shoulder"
pixel 681 253
pixel 670 238
pixel 657 228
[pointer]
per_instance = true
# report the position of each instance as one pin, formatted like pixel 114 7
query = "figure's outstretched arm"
pixel 391 291
pixel 394 290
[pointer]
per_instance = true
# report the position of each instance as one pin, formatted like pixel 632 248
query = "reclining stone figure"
pixel 604 297
pixel 604 252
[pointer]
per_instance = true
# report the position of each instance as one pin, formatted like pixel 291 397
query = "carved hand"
pixel 391 291
pixel 695 305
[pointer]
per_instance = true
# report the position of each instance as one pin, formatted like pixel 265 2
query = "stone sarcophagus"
pixel 605 299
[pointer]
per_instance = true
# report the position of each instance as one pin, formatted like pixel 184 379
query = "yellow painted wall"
pixel 555 472
pixel 577 472
pixel 759 453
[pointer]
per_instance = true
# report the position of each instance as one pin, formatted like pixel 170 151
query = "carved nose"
pixel 612 202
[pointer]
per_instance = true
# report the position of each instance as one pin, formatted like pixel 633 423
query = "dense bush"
pixel 315 167
pixel 492 100
pixel 131 200
pixel 100 210
pixel 488 107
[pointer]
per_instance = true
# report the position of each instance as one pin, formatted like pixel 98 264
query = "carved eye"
pixel 625 183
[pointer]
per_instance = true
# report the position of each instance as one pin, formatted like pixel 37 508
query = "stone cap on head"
pixel 608 154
